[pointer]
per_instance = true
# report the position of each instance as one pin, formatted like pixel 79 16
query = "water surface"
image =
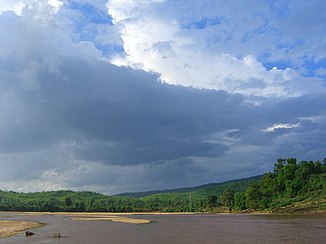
pixel 202 228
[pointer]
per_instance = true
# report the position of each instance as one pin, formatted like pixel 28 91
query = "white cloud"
pixel 176 41
pixel 275 127
pixel 56 4
pixel 18 6
pixel 71 120
pixel 13 5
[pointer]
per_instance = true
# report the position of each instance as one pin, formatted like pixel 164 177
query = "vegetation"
pixel 204 190
pixel 291 187
pixel 203 198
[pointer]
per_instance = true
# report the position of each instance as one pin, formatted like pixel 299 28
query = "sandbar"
pixel 114 219
pixel 12 227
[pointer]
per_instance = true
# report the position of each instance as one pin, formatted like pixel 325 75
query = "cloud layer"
pixel 72 119
pixel 252 47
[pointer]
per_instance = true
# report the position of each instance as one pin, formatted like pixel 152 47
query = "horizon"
pixel 128 96
pixel 149 191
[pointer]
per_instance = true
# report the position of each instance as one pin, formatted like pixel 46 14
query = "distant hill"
pixel 211 188
pixel 292 188
pixel 173 200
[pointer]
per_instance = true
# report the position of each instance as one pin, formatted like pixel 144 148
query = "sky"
pixel 136 95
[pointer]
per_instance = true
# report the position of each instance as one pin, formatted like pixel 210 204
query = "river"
pixel 198 228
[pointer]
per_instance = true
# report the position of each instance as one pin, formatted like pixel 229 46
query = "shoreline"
pixel 117 214
pixel 10 228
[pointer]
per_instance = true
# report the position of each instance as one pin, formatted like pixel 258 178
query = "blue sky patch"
pixel 90 13
pixel 203 23
pixel 279 64
pixel 87 26
pixel 311 67
pixel 109 49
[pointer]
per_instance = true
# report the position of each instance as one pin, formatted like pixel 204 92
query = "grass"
pixel 313 204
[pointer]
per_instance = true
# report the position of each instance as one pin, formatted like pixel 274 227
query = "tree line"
pixel 289 182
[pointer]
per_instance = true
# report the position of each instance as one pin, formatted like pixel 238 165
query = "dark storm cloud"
pixel 68 118
pixel 120 116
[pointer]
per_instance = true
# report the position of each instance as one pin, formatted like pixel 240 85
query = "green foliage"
pixel 204 190
pixel 202 198
pixel 227 198
pixel 240 201
pixel 212 201
pixel 253 196
pixel 268 185
pixel 289 184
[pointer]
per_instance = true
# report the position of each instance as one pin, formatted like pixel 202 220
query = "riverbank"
pixel 12 227
pixel 171 228
pixel 92 216
pixel 291 209
pixel 13 223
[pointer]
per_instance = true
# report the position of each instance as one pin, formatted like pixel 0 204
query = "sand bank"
pixel 11 227
pixel 114 219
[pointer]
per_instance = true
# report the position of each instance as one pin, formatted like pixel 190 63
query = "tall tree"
pixel 227 199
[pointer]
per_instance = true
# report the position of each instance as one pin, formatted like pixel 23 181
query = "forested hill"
pixel 237 185
pixel 291 187
pixel 168 201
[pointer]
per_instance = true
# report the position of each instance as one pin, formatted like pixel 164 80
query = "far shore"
pixel 116 214
pixel 103 213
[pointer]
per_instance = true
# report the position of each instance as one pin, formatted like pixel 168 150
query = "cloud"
pixel 229 46
pixel 70 119
pixel 275 127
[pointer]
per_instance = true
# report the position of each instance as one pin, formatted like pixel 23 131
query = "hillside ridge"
pixel 184 189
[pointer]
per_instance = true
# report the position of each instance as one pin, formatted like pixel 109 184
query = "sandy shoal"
pixel 13 227
pixel 92 216
pixel 114 219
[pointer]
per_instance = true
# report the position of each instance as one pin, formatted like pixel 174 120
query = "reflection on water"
pixel 180 229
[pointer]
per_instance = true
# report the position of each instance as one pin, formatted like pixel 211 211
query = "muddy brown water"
pixel 202 228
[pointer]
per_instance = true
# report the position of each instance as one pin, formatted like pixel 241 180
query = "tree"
pixel 68 201
pixel 227 199
pixel 286 174
pixel 53 204
pixel 324 161
pixel 212 200
pixel 318 167
pixel 268 185
pixel 279 165
pixel 253 196
pixel 80 206
pixel 292 161
pixel 240 201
